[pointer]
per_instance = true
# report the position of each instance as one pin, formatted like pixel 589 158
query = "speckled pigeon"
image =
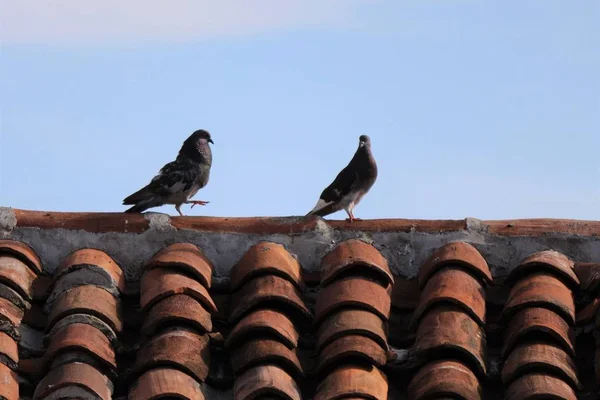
pixel 351 184
pixel 179 180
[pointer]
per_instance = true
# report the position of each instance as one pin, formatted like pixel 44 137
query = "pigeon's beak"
pixel 210 141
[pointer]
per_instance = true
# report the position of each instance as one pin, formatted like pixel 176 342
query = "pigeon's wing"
pixel 343 184
pixel 173 178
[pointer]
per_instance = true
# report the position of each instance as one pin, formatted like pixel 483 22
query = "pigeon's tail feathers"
pixel 143 194
pixel 145 204
pixel 321 209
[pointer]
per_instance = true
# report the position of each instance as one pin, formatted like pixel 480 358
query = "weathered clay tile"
pixel 96 259
pixel 181 349
pixel 23 252
pixel 87 300
pixel 549 260
pixel 539 386
pixel 449 328
pixel 444 379
pixel 541 289
pixel 264 322
pixel 188 258
pixel 351 322
pixel 82 318
pixel 85 338
pixel 17 275
pixel 10 318
pixel 539 323
pixel 9 384
pixel 75 375
pixel 175 309
pixel 165 383
pixel 264 381
pixel 348 348
pixel 353 292
pixel 9 354
pixel 160 283
pixel 354 254
pixel 539 357
pixel 265 352
pixel 268 289
pixel 353 381
pixel 266 258
pixel 456 254
pixel 14 297
pixel 589 276
pixel 453 286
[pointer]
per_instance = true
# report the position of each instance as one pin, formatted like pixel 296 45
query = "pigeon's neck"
pixel 364 159
pixel 200 154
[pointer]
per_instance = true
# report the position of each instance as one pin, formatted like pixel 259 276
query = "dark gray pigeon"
pixel 178 181
pixel 351 184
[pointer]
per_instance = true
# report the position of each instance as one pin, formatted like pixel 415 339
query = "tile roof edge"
pixel 96 222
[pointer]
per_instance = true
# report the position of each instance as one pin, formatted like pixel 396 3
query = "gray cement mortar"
pixel 405 251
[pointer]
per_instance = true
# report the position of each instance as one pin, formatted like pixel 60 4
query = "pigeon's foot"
pixel 353 219
pixel 197 202
pixel 178 210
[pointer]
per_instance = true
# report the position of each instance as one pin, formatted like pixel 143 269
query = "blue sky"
pixel 487 109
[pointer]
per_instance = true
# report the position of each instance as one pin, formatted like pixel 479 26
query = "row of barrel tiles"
pixel 268 316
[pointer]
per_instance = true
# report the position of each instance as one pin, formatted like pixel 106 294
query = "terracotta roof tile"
pixel 11 295
pixel 541 290
pixel 8 351
pixel 160 283
pixel 551 261
pixel 539 357
pixel 456 287
pixel 447 328
pixel 180 349
pixel 188 258
pixel 165 383
pixel 264 322
pixel 266 258
pixel 262 341
pixel 177 309
pixel 266 352
pixel 456 254
pixel 537 386
pixel 75 375
pixel 268 291
pixel 10 318
pixel 82 337
pixel 353 292
pixel 354 255
pixel 87 300
pixel 444 378
pixel 17 275
pixel 589 276
pixel 97 260
pixel 539 323
pixel 22 252
pixel 351 322
pixel 351 348
pixel 353 381
pixel 263 381
pixel 8 383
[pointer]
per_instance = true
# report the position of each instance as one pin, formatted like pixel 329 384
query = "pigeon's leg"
pixel 194 202
pixel 352 217
pixel 178 210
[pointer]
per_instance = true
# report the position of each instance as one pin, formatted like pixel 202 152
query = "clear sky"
pixel 487 109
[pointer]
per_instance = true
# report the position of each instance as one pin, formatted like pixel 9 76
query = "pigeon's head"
pixel 196 146
pixel 364 140
pixel 201 137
